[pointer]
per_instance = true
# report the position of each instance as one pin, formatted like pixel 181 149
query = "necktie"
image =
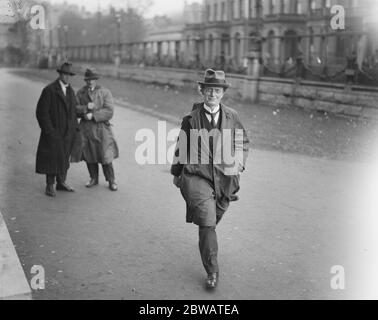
pixel 64 87
pixel 213 123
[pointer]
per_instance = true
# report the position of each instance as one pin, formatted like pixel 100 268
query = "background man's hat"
pixel 66 68
pixel 214 78
pixel 91 74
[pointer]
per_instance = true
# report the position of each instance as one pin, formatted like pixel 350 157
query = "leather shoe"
pixel 92 183
pixel 50 191
pixel 64 187
pixel 113 186
pixel 212 280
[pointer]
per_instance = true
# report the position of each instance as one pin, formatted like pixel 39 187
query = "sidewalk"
pixel 13 283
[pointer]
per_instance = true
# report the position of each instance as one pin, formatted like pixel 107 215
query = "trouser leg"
pixel 50 179
pixel 108 172
pixel 208 246
pixel 61 177
pixel 93 170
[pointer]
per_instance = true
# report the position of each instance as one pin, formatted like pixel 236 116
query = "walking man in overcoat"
pixel 56 115
pixel 208 177
pixel 96 108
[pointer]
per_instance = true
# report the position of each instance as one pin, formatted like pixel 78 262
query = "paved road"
pixel 296 218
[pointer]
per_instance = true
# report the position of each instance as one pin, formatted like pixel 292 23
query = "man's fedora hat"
pixel 214 78
pixel 65 68
pixel 91 74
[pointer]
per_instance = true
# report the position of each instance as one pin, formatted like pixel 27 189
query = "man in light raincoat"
pixel 97 144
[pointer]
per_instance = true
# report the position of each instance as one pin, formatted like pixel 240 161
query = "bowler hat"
pixel 91 74
pixel 66 68
pixel 214 78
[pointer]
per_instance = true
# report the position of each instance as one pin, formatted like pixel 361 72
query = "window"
pixel 287 6
pixel 312 5
pixel 241 11
pixel 271 7
pixel 237 48
pixel 299 7
pixel 340 46
pixel 223 12
pixel 232 9
pixel 252 43
pixel 295 6
pixel 311 38
pixel 236 9
pixel 250 8
pixel 211 44
pixel 208 13
pixel 290 45
pixel 270 47
pixel 215 12
pixel 311 47
pixel 274 6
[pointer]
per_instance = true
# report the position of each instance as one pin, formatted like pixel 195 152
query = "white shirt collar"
pixel 207 108
pixel 63 85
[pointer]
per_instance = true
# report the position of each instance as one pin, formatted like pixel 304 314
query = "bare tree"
pixel 140 7
pixel 118 25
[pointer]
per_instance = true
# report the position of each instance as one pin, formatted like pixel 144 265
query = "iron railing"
pixel 336 57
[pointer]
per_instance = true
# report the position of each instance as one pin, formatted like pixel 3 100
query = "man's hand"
pixel 90 106
pixel 235 170
pixel 88 116
pixel 177 181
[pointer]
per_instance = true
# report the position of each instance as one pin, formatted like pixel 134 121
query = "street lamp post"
pixel 254 58
pixel 259 13
pixel 65 28
pixel 255 49
pixel 83 50
pixel 117 53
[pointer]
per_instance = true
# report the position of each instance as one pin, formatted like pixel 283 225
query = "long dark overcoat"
pixel 56 115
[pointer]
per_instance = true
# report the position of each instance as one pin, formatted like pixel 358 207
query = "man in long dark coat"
pixel 56 115
pixel 208 176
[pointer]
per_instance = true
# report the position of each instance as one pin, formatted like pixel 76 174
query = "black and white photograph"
pixel 197 151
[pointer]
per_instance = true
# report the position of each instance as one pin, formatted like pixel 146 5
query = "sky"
pixel 159 7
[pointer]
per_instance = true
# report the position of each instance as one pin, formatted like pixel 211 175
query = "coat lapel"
pixel 59 91
pixel 94 94
pixel 225 124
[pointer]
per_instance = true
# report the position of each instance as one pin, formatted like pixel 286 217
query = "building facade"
pixel 288 29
